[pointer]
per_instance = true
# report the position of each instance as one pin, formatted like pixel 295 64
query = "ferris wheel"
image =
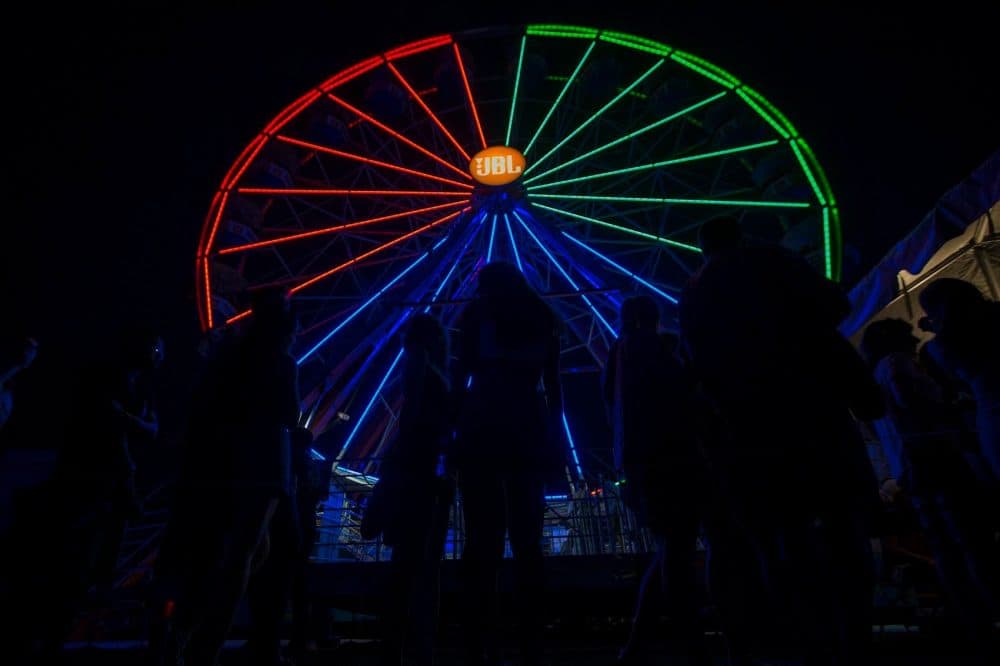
pixel 589 158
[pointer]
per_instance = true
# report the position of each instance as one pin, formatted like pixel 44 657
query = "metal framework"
pixel 358 198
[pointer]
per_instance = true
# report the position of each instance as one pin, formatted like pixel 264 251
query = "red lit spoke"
pixel 367 160
pixel 468 91
pixel 361 257
pixel 325 192
pixel 423 105
pixel 340 227
pixel 385 246
pixel 385 128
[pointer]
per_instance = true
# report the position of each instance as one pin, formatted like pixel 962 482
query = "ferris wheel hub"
pixel 497 199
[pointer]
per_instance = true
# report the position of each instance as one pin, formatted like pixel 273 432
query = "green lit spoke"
pixel 562 93
pixel 517 84
pixel 596 115
pixel 618 227
pixel 627 137
pixel 675 201
pixel 657 165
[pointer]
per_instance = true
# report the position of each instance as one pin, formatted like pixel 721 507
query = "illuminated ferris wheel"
pixel 588 158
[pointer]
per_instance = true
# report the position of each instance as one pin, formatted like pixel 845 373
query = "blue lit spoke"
pixel 562 271
pixel 493 233
pixel 341 325
pixel 368 407
pixel 622 269
pixel 572 447
pixel 510 234
pixel 458 260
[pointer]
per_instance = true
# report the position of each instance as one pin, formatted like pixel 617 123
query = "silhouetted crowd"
pixel 744 431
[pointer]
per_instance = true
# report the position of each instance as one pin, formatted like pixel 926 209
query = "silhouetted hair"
pixel 519 312
pixel 135 344
pixel 720 234
pixel 951 296
pixel 639 312
pixel 426 332
pixel 500 279
pixel 887 336
pixel 273 315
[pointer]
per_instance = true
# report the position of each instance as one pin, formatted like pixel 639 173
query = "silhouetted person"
pixel 235 471
pixel 966 328
pixel 651 401
pixel 311 487
pixel 279 576
pixel 506 375
pixel 759 325
pixel 421 499
pixel 92 493
pixel 921 435
pixel 10 368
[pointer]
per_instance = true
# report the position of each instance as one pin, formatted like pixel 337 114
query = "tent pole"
pixel 983 259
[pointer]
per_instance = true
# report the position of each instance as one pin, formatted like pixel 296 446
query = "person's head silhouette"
pixel 500 279
pixel 949 300
pixel 425 333
pixel 273 316
pixel 887 336
pixel 639 313
pixel 720 236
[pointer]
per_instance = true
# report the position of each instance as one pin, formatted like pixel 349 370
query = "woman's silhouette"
pixel 506 377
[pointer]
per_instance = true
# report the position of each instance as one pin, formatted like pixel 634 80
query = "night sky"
pixel 120 125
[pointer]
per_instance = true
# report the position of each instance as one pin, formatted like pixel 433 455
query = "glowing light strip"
pixel 324 192
pixel 362 307
pixel 622 269
pixel 360 257
pixel 313 280
pixel 562 93
pixel 358 477
pixel 629 136
pixel 685 59
pixel 385 128
pixel 458 260
pixel 468 91
pixel 675 201
pixel 493 233
pixel 510 234
pixel 763 114
pixel 371 402
pixel 423 105
pixel 341 227
pixel 390 335
pixel 634 232
pixel 417 47
pixel 351 73
pixel 596 115
pixel 656 165
pixel 367 160
pixel 572 447
pixel 562 271
pixel 827 257
pixel 517 84
pixel 809 174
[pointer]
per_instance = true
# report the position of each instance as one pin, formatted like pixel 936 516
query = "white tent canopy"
pixel 973 256
pixel 959 237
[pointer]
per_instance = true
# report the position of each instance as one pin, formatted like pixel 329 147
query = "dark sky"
pixel 120 125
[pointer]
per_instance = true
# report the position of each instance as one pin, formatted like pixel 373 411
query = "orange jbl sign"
pixel 497 165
